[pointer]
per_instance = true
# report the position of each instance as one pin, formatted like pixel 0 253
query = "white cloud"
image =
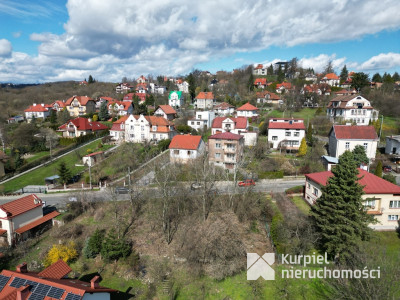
pixel 5 48
pixel 170 37
pixel 383 61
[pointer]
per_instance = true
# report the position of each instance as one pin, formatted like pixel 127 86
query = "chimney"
pixel 34 104
pixel 23 292
pixel 22 268
pixel 94 283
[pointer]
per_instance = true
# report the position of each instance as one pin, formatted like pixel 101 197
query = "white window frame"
pixel 394 204
pixel 393 217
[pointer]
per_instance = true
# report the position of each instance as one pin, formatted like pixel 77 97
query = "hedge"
pixel 295 190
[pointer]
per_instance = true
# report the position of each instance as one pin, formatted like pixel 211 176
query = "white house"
pixel 224 109
pixel 183 86
pixel 140 129
pixel 175 99
pixel 259 70
pixel 381 197
pixel 165 111
pixel 286 133
pixel 93 158
pixel 353 108
pixel 392 144
pixel 21 217
pixel 331 78
pixel 123 88
pixel 37 111
pixel 185 147
pixel 157 89
pixel 201 120
pixel 346 137
pixel 120 108
pixel 117 130
pixel 239 125
pixel 247 110
pixel 204 100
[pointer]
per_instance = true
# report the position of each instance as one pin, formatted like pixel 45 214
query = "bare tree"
pixel 50 137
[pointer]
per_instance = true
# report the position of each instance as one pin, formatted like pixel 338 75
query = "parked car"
pixel 195 186
pixel 72 199
pixel 247 182
pixel 387 169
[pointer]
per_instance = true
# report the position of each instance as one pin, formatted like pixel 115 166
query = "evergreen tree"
pixel 378 170
pixel 250 82
pixel 53 116
pixel 359 80
pixel 192 85
pixel 94 244
pixel 103 112
pixel 150 99
pixel 309 136
pixel 63 116
pixel 396 77
pixel 114 248
pixel 344 74
pixel 281 74
pixel 360 156
pixel 270 70
pixel 377 77
pixel 338 216
pixel 91 80
pixel 64 173
pixel 329 67
pixel 303 148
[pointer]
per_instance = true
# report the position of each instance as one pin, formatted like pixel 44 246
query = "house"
pixel 204 100
pixel 141 79
pixel 329 161
pixel 259 70
pixel 260 83
pixel 201 120
pixel 331 78
pixel 269 97
pixel 393 145
pixel 311 77
pixel 37 111
pixel 346 137
pixel 140 129
pixel 80 126
pixel 344 92
pixel 225 149
pixel 15 119
pixel 58 105
pixel 120 108
pixel 80 105
pixel 84 82
pixel 283 87
pixel 93 158
pixel 51 283
pixel 22 218
pixel 157 89
pixel 239 125
pixel 381 197
pixel 175 99
pixel 224 109
pixel 124 88
pixel 352 108
pixel 185 147
pixel 248 111
pixel 117 131
pixel 286 133
pixel 165 111
pixel 183 86
pixel 103 99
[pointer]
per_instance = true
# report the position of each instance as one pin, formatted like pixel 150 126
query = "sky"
pixel 57 40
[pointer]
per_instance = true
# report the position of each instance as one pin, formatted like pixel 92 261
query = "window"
pixel 142 136
pixel 274 138
pixel 142 128
pixel 218 145
pixel 132 127
pixel 192 123
pixel 315 192
pixel 309 185
pixel 393 217
pixel 288 133
pixel 217 155
pixel 369 203
pixel 189 153
pixel 365 146
pixel 230 146
pixel 198 123
pixel 132 135
pixel 154 136
pixel 347 145
pixel 154 128
pixel 176 152
pixel 394 204
pixel 297 133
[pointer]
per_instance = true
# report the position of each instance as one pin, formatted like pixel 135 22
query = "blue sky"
pixel 42 41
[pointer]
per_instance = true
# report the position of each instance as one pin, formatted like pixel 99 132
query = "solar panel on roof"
pixel 72 296
pixel 3 281
pixel 55 292
pixel 42 289
pixel 17 282
pixel 33 284
pixel 35 296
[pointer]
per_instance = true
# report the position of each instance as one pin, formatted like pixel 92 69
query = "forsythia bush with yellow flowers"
pixel 65 252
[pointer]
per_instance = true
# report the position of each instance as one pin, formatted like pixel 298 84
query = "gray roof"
pixel 331 159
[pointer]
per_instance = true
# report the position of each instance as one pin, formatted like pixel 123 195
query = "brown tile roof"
pixel 343 100
pixel 37 108
pixel 83 124
pixel 83 100
pixel 350 132
pixel 331 76
pixel 226 136
pixel 167 109
pixel 57 270
pixel 205 95
pixel 240 122
pixel 185 141
pixel 289 124
pixel 37 222
pixel 21 205
pixel 247 107
pixel 260 81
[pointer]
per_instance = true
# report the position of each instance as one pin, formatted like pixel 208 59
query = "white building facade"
pixel 286 133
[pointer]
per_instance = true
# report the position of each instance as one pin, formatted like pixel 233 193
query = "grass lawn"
pixel 390 239
pixel 37 156
pixel 305 113
pixel 36 177
pixel 301 204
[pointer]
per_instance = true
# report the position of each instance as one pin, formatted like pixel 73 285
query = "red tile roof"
pixel 350 132
pixel 185 141
pixel 247 107
pixel 226 136
pixel 21 205
pixel 259 66
pixel 121 120
pixel 37 222
pixel 205 95
pixel 125 104
pixel 37 108
pixel 2 231
pixel 286 85
pixel 372 183
pixel 57 270
pixel 94 153
pixel 83 124
pixel 240 122
pixel 59 103
pixel 331 76
pixel 167 109
pixel 83 100
pixel 128 97
pixel 260 81
pixel 289 124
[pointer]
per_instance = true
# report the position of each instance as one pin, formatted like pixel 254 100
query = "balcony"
pixel 230 149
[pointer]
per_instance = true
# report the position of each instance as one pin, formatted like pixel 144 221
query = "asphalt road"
pixel 60 199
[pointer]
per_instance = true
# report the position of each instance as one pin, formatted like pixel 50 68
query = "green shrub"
pixel 93 245
pixel 295 190
pixel 270 175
